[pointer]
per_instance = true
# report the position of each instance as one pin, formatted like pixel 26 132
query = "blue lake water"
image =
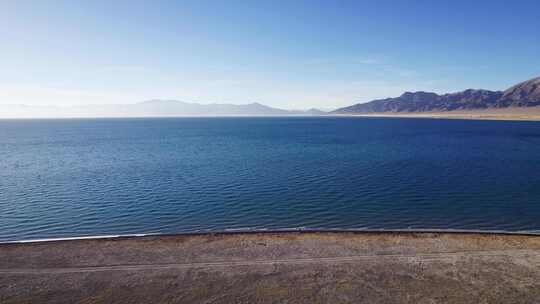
pixel 62 178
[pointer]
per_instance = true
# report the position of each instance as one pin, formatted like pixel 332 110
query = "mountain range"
pixel 150 108
pixel 525 94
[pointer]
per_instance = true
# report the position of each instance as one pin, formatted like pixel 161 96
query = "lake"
pixel 63 178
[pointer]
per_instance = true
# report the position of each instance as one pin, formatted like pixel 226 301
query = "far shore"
pixel 519 114
pixel 509 114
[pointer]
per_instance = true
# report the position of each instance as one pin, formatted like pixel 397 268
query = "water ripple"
pixel 62 178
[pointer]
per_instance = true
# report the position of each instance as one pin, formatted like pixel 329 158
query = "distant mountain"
pixel 524 94
pixel 178 108
pixel 314 111
pixel 150 108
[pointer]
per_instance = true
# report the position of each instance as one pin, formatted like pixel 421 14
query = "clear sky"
pixel 289 54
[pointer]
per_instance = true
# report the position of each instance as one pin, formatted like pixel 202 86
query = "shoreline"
pixel 532 233
pixel 502 114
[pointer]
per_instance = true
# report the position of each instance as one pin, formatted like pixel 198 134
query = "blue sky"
pixel 289 54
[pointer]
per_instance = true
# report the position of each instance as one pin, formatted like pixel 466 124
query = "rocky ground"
pixel 276 268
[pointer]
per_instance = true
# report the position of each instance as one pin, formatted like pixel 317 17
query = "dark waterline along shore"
pixel 233 232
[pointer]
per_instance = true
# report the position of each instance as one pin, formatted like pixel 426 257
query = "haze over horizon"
pixel 289 55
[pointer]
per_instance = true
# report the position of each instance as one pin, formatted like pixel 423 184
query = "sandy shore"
pixel 276 268
pixel 526 114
